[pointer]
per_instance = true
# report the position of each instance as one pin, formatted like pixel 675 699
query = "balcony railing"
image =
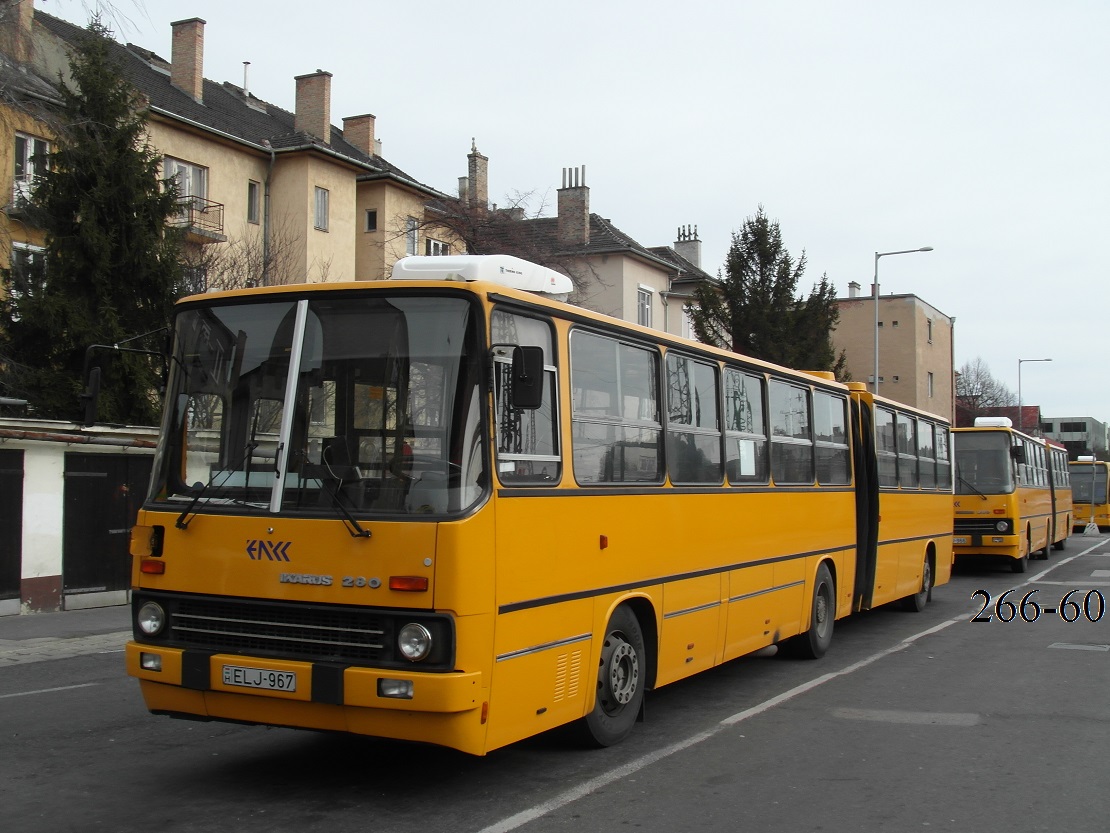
pixel 201 217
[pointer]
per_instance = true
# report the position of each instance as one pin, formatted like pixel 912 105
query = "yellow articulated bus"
pixel 448 507
pixel 1009 487
pixel 1089 478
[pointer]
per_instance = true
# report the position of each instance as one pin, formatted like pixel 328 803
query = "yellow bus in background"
pixel 1089 479
pixel 448 507
pixel 1006 495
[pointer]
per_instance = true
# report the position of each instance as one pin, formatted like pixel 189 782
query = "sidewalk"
pixel 36 637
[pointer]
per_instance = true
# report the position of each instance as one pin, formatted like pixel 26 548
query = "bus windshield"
pixel 1086 479
pixel 983 463
pixel 382 417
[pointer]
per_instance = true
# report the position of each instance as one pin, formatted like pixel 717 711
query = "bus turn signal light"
pixel 412 584
pixel 153 566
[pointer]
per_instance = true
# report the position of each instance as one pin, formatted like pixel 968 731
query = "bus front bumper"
pixel 257 679
pixel 983 544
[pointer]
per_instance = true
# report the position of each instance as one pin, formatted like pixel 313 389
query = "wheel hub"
pixel 622 674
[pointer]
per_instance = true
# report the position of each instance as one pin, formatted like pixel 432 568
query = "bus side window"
pixel 926 454
pixel 745 428
pixel 906 429
pixel 791 433
pixel 615 411
pixel 693 429
pixel 830 423
pixel 886 447
pixel 527 441
pixel 944 460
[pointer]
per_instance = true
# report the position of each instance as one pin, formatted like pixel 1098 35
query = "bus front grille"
pixel 979 526
pixel 286 630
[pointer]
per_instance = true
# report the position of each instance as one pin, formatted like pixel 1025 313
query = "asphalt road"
pixel 923 721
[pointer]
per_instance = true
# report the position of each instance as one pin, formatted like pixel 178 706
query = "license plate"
pixel 260 678
pixel 959 540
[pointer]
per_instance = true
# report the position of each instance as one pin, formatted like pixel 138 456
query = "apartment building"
pixel 612 273
pixel 310 200
pixel 916 358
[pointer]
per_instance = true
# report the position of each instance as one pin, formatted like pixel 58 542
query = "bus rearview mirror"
pixel 527 377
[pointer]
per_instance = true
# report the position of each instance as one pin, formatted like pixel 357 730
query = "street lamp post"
pixel 1021 416
pixel 875 288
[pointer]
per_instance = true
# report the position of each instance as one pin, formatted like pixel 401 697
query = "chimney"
pixel 688 245
pixel 464 189
pixel 187 57
pixel 359 131
pixel 477 187
pixel 15 29
pixel 313 114
pixel 853 289
pixel 574 208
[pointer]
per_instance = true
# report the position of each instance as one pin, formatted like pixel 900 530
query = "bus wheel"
pixel 620 681
pixel 1020 565
pixel 916 603
pixel 814 642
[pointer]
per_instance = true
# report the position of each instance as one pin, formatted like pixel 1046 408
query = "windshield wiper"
pixel 184 518
pixel 353 527
pixel 971 486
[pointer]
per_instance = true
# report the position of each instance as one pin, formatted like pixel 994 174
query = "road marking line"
pixel 1073 646
pixel 603 780
pixel 917 718
pixel 47 690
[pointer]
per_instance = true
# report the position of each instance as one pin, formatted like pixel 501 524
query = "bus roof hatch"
pixel 506 270
pixel 993 422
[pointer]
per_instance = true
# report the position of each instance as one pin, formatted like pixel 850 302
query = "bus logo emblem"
pixel 259 550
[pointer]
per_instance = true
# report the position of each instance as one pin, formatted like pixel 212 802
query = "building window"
pixel 254 191
pixel 31 162
pixel 894 323
pixel 643 306
pixel 436 247
pixel 929 382
pixel 28 263
pixel 321 216
pixel 371 220
pixel 192 181
pixel 929 329
pixel 411 227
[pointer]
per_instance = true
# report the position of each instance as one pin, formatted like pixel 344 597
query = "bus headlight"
pixel 1002 526
pixel 414 641
pixel 151 618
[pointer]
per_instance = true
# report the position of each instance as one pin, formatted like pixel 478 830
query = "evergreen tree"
pixel 111 270
pixel 754 308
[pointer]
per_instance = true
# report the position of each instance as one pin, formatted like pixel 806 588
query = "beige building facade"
pixel 916 349
pixel 259 185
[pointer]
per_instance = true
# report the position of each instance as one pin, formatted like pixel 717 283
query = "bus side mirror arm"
pixel 91 375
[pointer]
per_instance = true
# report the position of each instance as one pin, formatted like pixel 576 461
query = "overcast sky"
pixel 978 127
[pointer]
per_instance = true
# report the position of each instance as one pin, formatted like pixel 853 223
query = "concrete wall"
pixel 45 444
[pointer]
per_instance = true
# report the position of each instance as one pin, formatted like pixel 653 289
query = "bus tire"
pixel 813 643
pixel 621 676
pixel 1020 565
pixel 916 603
